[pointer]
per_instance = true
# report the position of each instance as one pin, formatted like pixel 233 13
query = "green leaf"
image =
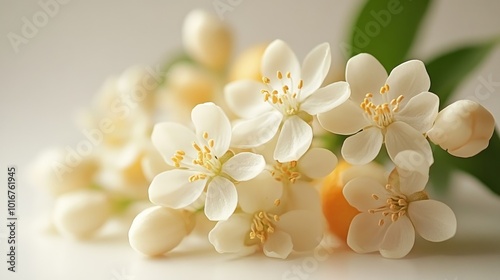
pixel 483 166
pixel 386 29
pixel 448 70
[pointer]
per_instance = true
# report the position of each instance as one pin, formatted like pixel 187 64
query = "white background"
pixel 59 70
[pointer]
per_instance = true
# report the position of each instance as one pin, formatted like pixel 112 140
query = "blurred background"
pixel 47 78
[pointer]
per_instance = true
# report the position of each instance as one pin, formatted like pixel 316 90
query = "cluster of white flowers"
pixel 240 151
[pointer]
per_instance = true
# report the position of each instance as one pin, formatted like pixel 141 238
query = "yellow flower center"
pixel 262 225
pixel 285 171
pixel 381 115
pixel 204 159
pixel 286 98
pixel 396 204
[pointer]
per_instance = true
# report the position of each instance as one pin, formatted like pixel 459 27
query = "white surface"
pixel 59 70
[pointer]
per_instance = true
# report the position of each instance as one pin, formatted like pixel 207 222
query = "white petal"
pixel 168 138
pixel 221 199
pixel 229 236
pixel 433 220
pixel 346 119
pixel 317 163
pixel 413 171
pixel 399 239
pixel 244 98
pixel 401 136
pixel 365 235
pixel 278 245
pixel 255 132
pixel 259 193
pixel 210 118
pixel 315 67
pixel 173 189
pixel 279 57
pixel 294 140
pixel 365 193
pixel 408 79
pixel 362 147
pixel 305 227
pixel 365 74
pixel 420 112
pixel 326 98
pixel 301 195
pixel 244 166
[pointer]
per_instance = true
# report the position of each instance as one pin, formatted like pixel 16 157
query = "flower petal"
pixel 173 189
pixel 433 220
pixel 255 132
pixel 346 119
pixel 365 193
pixel 362 147
pixel 317 163
pixel 210 118
pixel 244 166
pixel 222 199
pixel 168 138
pixel 278 245
pixel 279 57
pixel 401 136
pixel 294 140
pixel 326 98
pixel 420 112
pixel 259 193
pixel 413 171
pixel 244 98
pixel 315 67
pixel 399 239
pixel 365 74
pixel 302 196
pixel 229 236
pixel 305 227
pixel 408 79
pixel 365 235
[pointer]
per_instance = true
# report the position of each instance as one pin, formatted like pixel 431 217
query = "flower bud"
pixel 247 64
pixel 79 214
pixel 207 39
pixel 158 230
pixel 463 128
pixel 191 85
pixel 63 170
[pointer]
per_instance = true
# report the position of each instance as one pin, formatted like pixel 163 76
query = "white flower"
pixel 391 214
pixel 81 213
pixel 157 230
pixel 396 110
pixel 463 128
pixel 286 100
pixel 261 224
pixel 203 161
pixel 316 163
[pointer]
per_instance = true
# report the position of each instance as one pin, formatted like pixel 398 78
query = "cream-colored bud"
pixel 190 84
pixel 247 64
pixel 61 170
pixel 207 39
pixel 463 128
pixel 81 213
pixel 157 230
